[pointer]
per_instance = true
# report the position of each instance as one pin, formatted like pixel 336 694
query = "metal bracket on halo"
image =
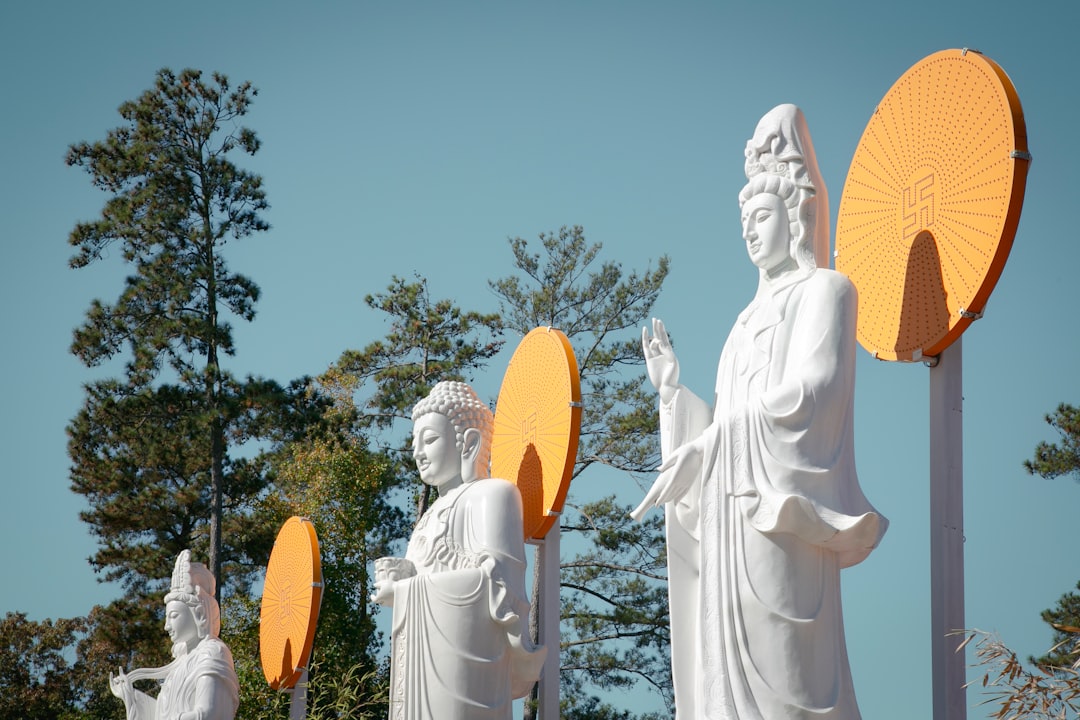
pixel 1020 155
pixel 970 315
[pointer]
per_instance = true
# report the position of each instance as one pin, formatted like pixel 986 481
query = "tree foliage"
pixel 428 341
pixel 614 598
pixel 600 309
pixel 1052 689
pixel 331 478
pixel 35 673
pixel 173 452
pixel 1063 458
pixel 1053 460
pixel 151 450
pixel 1047 693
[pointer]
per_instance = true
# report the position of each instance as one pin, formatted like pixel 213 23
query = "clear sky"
pixel 407 137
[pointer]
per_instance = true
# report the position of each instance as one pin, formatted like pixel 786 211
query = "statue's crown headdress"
pixel 189 578
pixel 777 147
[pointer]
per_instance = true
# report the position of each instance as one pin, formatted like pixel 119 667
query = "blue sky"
pixel 409 137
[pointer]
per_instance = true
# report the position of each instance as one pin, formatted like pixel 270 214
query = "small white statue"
pixel 763 505
pixel 460 641
pixel 200 683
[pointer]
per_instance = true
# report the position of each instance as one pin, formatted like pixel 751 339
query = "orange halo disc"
pixel 931 203
pixel 291 597
pixel 537 422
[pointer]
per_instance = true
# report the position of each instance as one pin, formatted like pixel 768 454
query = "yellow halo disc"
pixel 931 203
pixel 537 423
pixel 291 597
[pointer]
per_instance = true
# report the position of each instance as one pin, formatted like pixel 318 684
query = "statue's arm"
pixel 213 700
pixel 495 524
pixel 819 366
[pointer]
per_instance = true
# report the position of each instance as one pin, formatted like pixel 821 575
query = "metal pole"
pixel 549 624
pixel 947 534
pixel 298 704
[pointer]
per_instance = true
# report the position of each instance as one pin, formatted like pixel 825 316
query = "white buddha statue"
pixel 200 683
pixel 460 640
pixel 763 505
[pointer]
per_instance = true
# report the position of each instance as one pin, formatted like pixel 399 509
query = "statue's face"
pixel 435 450
pixel 766 231
pixel 180 623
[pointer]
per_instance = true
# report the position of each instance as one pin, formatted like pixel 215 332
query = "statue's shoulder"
pixel 214 649
pixel 495 488
pixel 831 285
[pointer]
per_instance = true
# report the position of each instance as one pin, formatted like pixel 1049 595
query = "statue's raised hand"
pixel 660 361
pixel 120 686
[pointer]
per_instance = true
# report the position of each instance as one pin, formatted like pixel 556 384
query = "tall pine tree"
pixel 151 450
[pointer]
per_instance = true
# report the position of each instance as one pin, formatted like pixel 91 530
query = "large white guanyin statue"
pixel 763 505
pixel 200 683
pixel 461 648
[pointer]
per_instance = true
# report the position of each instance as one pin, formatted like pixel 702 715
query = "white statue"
pixel 200 683
pixel 460 640
pixel 763 505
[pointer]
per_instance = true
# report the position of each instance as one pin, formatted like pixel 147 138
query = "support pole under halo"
pixel 550 607
pixel 947 534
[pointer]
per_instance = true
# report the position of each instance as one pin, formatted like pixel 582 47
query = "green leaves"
pixel 177 197
pixel 600 308
pixel 1053 460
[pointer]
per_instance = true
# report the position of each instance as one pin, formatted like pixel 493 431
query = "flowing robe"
pixel 460 640
pixel 203 681
pixel 756 545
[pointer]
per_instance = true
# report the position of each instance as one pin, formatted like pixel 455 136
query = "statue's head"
pixel 452 430
pixel 191 612
pixel 771 224
pixel 780 160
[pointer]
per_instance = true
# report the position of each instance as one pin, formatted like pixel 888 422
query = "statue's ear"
pixel 470 445
pixel 470 451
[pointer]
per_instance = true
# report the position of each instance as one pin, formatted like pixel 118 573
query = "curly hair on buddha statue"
pixel 193 584
pixel 460 404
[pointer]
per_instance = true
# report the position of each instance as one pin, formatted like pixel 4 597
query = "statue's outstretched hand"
pixel 120 686
pixel 677 475
pixel 660 361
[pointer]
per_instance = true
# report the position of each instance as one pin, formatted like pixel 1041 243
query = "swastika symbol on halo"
pixel 529 429
pixel 918 207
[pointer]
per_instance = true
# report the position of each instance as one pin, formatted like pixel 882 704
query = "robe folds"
pixel 756 545
pixel 460 639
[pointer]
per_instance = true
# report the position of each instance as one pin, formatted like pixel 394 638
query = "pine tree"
pixel 151 450
pixel 1052 690
pixel 428 341
pixel 1053 460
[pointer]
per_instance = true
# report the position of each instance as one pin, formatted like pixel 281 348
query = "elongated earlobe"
pixel 470 450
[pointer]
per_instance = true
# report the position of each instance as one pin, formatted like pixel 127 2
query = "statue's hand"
pixel 677 475
pixel 384 592
pixel 660 361
pixel 119 685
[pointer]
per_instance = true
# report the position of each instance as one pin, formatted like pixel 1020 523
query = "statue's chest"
pixel 436 543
